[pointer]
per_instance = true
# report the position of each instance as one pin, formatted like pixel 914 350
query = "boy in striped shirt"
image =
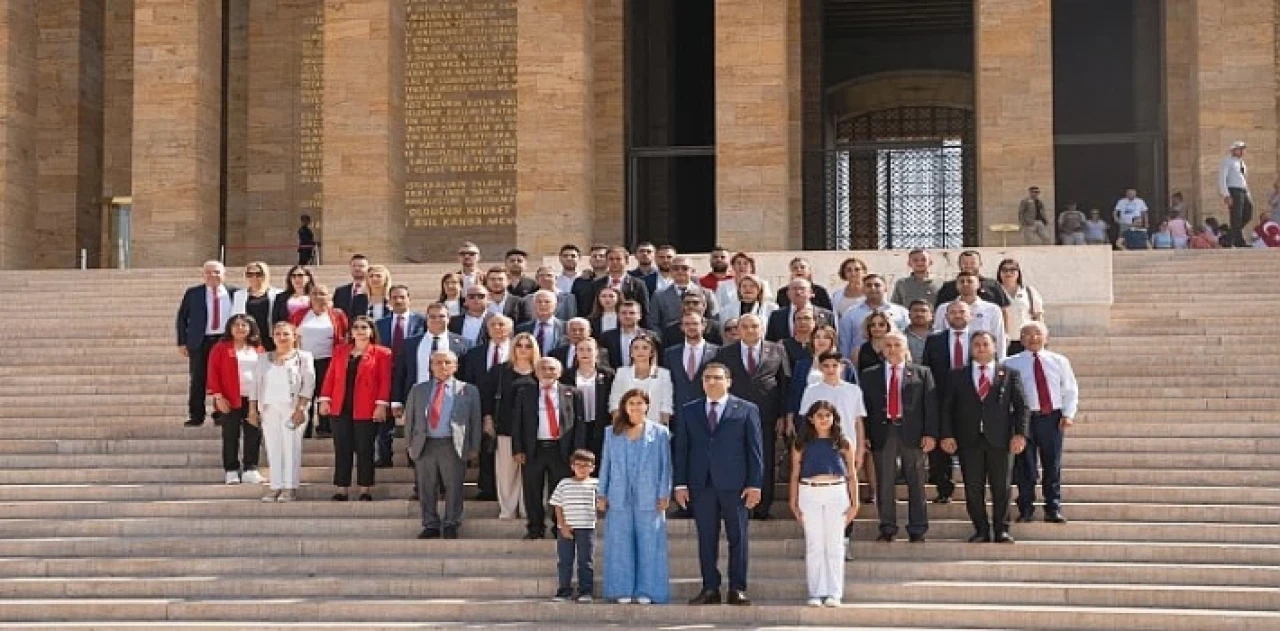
pixel 575 504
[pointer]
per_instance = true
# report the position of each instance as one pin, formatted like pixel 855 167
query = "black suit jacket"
pixel 584 293
pixel 404 374
pixel 597 421
pixel 474 369
pixel 522 287
pixel 975 422
pixel 778 328
pixel 919 404
pixel 455 327
pixel 686 387
pixel 611 344
pixel 988 289
pixel 767 387
pixel 511 309
pixel 524 427
pixel 937 356
pixel 632 289
pixel 673 335
pixel 820 297
pixel 342 299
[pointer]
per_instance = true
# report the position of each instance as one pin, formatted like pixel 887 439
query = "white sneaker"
pixel 233 477
pixel 832 602
pixel 624 601
pixel 271 496
pixel 815 602
pixel 252 477
pixel 644 600
pixel 287 495
pixel 585 599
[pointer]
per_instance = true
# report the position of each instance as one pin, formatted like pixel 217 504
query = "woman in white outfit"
pixel 750 297
pixel 645 374
pixel 283 385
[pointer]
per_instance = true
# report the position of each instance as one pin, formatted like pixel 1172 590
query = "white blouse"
pixel 246 362
pixel 316 332
pixel 1021 306
pixel 608 322
pixel 658 385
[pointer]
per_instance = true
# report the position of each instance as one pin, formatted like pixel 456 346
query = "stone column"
pixel 1234 81
pixel 608 77
pixel 555 167
pixel 363 130
pixel 1180 108
pixel 117 98
pixel 756 205
pixel 1013 85
pixel 17 132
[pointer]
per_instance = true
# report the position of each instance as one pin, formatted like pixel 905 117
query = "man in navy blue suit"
pixel 402 323
pixel 202 318
pixel 719 468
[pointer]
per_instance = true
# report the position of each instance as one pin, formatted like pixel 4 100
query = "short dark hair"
pixel 497 269
pixel 965 275
pixel 830 355
pixel 920 301
pixel 720 248
pixel 618 248
pixel 357 257
pixel 717 366
pixel 306 218
pixel 583 455
pixel 595 247
pixel 917 251
pixel 630 303
pixel 373 328
pixel 255 335
pixel 515 251
pixel 870 277
pixel 644 244
pixel 978 334
pixel 569 247
pixel 398 286
pixel 972 253
pixel 667 246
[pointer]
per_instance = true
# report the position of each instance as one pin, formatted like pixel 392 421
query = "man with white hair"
pixel 442 420
pixel 202 319
pixel 1053 396
pixel 545 327
pixel 1234 189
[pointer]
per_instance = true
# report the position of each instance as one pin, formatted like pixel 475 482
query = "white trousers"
pixel 509 481
pixel 823 508
pixel 284 445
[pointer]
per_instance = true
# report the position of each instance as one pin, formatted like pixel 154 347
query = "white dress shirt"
pixel 977 374
pixel 1063 389
pixel 1231 175
pixel 663 283
pixel 720 403
pixel 608 322
pixel 987 317
pixel 224 310
pixel 587 386
pixel 424 355
pixel 504 353
pixel 472 327
pixel 544 425
pixel 850 329
pixel 693 352
pixel 495 306
pixel 625 344
pixel 888 379
pixel 564 283
pixel 658 386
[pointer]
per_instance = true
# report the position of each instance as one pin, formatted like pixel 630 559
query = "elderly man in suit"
pixel 477 369
pixel 782 322
pixel 984 418
pixel 566 305
pixel 442 415
pixel 719 471
pixel 668 304
pixel 413 364
pixel 594 380
pixel 577 331
pixel 202 319
pixel 547 428
pixel 901 424
pixel 760 372
pixel 543 324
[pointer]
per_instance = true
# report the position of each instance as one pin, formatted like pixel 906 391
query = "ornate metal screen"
pixel 902 178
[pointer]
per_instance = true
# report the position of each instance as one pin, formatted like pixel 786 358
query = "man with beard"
pixel 719 269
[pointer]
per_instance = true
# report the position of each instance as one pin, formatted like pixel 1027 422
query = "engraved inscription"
pixel 460 118
pixel 311 113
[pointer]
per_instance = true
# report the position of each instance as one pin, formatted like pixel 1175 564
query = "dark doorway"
pixel 670 85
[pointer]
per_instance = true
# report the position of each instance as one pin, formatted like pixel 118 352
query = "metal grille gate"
pixel 902 178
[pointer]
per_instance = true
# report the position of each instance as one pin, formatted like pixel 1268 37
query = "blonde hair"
pixel 537 353
pixel 266 271
pixel 386 287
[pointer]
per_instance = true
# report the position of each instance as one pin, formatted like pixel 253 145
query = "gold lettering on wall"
pixel 311 114
pixel 460 122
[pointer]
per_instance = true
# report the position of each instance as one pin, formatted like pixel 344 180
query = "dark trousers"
pixel 1241 213
pixel 545 466
pixel 982 466
pixel 306 255
pixel 770 452
pixel 315 421
pixel 710 508
pixel 353 438
pixel 487 482
pixel 382 448
pixel 232 424
pixel 1044 450
pixel 198 369
pixel 439 465
pixel 582 546
pixel 886 460
pixel 940 472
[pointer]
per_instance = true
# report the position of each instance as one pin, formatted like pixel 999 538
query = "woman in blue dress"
pixel 635 488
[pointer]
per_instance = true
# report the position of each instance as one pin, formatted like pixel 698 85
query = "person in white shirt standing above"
pixel 986 316
pixel 873 286
pixel 1051 393
pixel 1129 210
pixel 1234 189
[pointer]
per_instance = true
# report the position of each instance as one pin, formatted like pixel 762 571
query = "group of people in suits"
pixel 517 374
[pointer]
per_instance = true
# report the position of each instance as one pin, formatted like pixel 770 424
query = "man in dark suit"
pixel 501 300
pixel 988 288
pixel 401 324
pixel 413 364
pixel 584 286
pixel 760 372
pixel 477 369
pixel 344 296
pixel 718 472
pixel 944 352
pixel 685 362
pixel 668 304
pixel 518 284
pixel 577 331
pixel 984 418
pixel 616 276
pixel 618 341
pixel 674 334
pixel 901 423
pixel 202 319
pixel 473 322
pixel 544 326
pixel 547 428
pixel 594 380
pixel 782 321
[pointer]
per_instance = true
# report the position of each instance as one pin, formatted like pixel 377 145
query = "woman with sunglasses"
pixel 874 328
pixel 258 299
pixel 1025 303
pixel 232 362
pixel 356 392
pixel 296 297
pixel 506 380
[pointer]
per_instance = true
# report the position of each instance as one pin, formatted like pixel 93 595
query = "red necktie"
pixel 494 361
pixel 895 396
pixel 957 355
pixel 553 424
pixel 984 384
pixel 215 322
pixel 751 360
pixel 437 404
pixel 691 366
pixel 1042 385
pixel 397 334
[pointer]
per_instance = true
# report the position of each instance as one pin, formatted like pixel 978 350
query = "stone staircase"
pixel 113 515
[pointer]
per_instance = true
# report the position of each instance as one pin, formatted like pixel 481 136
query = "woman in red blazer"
pixel 231 365
pixel 356 392
pixel 321 329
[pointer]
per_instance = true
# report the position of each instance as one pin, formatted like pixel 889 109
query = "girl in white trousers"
pixel 284 382
pixel 824 499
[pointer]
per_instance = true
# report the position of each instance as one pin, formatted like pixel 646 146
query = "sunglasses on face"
pixel 297 275
pixel 1008 269
pixel 253 274
pixel 361 327
pixel 524 345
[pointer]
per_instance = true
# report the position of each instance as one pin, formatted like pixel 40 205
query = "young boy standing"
pixel 574 500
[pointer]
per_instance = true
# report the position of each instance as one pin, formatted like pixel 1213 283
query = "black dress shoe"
pixel 980 537
pixel 365 497
pixel 429 533
pixel 451 532
pixel 886 537
pixel 738 597
pixel 917 538
pixel 1055 518
pixel 1003 537
pixel 382 464
pixel 193 424
pixel 414 497
pixel 942 499
pixel 1024 518
pixel 706 597
pixel 339 497
pixel 762 516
